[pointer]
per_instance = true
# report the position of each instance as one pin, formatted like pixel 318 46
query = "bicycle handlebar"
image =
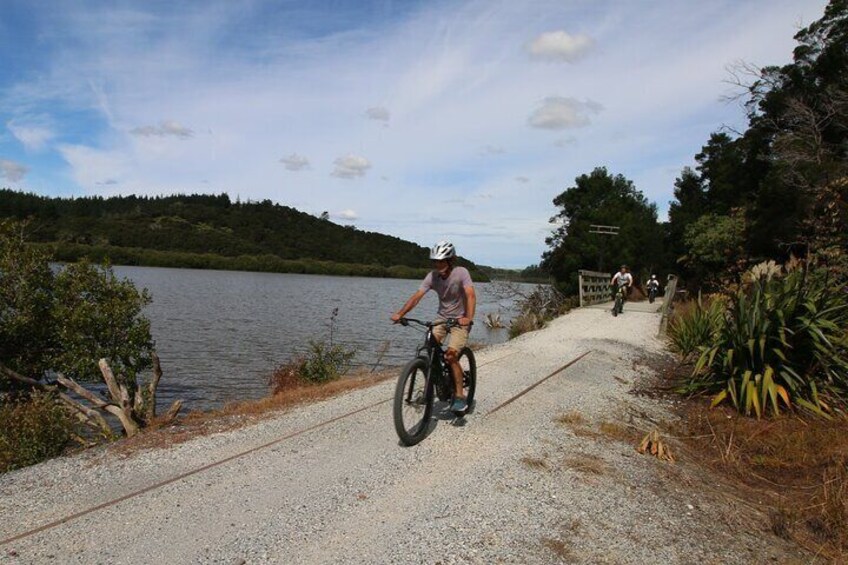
pixel 450 322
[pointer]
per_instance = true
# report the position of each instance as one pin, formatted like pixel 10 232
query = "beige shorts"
pixel 458 336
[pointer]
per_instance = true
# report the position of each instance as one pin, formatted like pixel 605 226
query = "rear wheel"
pixel 469 376
pixel 413 402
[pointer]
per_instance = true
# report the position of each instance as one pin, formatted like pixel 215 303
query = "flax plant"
pixel 696 325
pixel 783 341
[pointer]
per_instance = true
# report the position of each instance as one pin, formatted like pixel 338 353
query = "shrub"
pixel 695 325
pixel 537 308
pixel 66 320
pixel 32 429
pixel 784 340
pixel 323 363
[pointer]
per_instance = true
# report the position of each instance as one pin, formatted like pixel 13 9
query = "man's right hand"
pixel 396 317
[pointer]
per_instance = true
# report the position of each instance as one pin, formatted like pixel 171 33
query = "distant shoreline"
pixel 140 257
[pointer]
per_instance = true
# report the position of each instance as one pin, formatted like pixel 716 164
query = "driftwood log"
pixel 133 414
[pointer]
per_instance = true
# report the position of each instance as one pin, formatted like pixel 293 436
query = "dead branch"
pixel 111 382
pixel 13 375
pixel 87 415
pixel 173 411
pixel 80 390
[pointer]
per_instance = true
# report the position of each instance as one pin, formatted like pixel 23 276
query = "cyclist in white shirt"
pixel 622 278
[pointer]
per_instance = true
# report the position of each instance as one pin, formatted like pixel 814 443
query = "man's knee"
pixel 451 355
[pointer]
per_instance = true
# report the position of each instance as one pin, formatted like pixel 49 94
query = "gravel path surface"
pixel 549 478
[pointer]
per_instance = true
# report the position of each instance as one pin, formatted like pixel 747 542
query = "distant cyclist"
pixel 622 278
pixel 456 300
pixel 653 287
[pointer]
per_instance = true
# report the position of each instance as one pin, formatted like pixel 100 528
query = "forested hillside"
pixel 209 231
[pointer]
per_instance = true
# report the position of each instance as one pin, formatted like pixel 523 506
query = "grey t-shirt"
pixel 451 291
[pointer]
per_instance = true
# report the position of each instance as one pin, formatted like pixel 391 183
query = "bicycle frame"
pixel 431 350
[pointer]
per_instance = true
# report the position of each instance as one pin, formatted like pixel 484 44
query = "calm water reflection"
pixel 219 334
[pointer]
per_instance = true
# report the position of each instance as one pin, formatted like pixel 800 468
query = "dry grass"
pixel 559 548
pixel 572 418
pixel 617 432
pixel 800 465
pixel 605 430
pixel 238 414
pixel 539 463
pixel 585 463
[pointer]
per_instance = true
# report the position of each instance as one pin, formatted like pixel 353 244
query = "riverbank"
pixel 543 471
pixel 136 256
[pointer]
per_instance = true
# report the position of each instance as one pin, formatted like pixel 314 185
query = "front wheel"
pixel 469 376
pixel 616 308
pixel 413 402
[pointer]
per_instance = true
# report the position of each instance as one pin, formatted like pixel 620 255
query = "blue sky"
pixel 425 120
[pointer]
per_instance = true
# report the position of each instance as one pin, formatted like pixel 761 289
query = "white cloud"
pixel 34 137
pixel 557 112
pixel 12 171
pixel 351 167
pixel 295 162
pixel 347 215
pixel 168 128
pixel 522 179
pixel 91 167
pixel 378 113
pixel 560 46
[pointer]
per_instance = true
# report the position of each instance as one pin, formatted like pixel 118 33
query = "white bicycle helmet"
pixel 442 250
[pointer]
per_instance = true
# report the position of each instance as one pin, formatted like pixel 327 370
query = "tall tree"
pixel 788 172
pixel 603 199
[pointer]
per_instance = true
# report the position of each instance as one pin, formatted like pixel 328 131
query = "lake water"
pixel 219 334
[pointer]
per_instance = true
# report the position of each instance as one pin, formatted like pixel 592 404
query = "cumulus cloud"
pixel 295 162
pixel 351 167
pixel 168 128
pixel 378 113
pixel 560 46
pixel 522 179
pixel 33 136
pixel 557 112
pixel 12 171
pixel 347 215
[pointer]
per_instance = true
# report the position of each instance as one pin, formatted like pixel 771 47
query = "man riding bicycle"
pixel 456 300
pixel 653 285
pixel 622 280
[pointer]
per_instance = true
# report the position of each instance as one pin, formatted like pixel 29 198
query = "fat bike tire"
pixel 469 377
pixel 413 403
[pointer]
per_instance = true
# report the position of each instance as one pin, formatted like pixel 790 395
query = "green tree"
pixel 66 321
pixel 713 243
pixel 604 199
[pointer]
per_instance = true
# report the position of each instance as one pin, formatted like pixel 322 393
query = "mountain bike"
pixel 652 294
pixel 618 304
pixel 426 377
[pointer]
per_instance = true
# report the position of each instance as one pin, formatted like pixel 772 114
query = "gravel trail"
pixel 525 484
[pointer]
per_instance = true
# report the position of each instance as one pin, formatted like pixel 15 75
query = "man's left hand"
pixel 464 322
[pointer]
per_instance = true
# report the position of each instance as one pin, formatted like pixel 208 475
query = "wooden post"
pixel 580 286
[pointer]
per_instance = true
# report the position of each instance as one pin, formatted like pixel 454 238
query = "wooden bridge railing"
pixel 594 287
pixel 668 299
